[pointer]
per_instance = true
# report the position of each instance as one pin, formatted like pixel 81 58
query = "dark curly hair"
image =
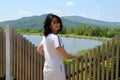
pixel 49 18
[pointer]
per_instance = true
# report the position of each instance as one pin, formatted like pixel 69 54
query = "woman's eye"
pixel 55 22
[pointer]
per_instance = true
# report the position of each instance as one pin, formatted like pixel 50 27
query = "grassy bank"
pixel 72 36
pixel 85 37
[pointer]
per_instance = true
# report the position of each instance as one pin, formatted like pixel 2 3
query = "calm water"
pixel 72 45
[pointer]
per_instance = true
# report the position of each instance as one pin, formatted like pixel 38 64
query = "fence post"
pixel 7 31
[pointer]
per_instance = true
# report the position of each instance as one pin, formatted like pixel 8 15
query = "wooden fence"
pixel 101 63
pixel 2 53
pixel 26 63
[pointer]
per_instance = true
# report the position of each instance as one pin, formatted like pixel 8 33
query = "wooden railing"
pixel 101 63
pixel 26 63
pixel 2 52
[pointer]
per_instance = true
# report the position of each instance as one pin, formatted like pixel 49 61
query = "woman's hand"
pixel 78 57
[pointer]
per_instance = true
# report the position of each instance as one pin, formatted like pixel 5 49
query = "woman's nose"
pixel 58 24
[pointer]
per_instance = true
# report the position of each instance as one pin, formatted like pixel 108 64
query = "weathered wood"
pixel 117 60
pixel 98 64
pixel 81 67
pixel 86 64
pixel 112 60
pixel 90 65
pixel 103 62
pixel 27 64
pixel 107 61
pixel 8 67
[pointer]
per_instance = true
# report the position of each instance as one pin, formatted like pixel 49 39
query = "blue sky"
pixel 105 10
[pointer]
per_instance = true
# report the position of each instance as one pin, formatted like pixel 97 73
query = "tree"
pixel 64 30
pixel 111 33
pixel 97 31
pixel 88 31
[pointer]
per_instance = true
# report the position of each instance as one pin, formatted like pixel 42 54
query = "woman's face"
pixel 55 25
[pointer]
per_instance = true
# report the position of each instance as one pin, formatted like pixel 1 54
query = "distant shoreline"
pixel 74 36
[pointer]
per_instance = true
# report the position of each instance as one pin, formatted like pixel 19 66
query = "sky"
pixel 105 10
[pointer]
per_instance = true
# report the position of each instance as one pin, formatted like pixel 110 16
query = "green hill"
pixel 36 22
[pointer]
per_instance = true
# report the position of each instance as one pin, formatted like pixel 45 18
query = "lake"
pixel 72 45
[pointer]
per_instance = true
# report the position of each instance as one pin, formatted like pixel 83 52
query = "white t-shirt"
pixel 53 60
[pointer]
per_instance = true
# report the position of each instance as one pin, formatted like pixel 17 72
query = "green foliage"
pixel 84 30
pixel 2 77
pixel 30 31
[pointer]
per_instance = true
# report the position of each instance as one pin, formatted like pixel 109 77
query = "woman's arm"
pixel 40 49
pixel 62 51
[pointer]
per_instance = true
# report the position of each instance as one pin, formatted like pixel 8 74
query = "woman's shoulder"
pixel 52 35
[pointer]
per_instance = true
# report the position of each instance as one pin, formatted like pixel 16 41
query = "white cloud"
pixel 55 11
pixel 98 14
pixel 24 13
pixel 70 14
pixel 83 14
pixel 98 6
pixel 70 3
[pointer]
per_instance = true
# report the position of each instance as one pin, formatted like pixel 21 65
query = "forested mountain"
pixel 35 22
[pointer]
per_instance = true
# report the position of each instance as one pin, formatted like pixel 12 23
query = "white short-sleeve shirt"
pixel 53 66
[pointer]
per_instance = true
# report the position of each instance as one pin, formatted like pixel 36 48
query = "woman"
pixel 51 47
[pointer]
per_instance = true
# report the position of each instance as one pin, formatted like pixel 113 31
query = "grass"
pixel 72 36
pixel 85 37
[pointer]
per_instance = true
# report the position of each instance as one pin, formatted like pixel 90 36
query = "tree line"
pixel 84 30
pixel 87 30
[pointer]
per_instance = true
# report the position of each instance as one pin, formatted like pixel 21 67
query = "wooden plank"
pixel 22 57
pixel 112 60
pixel 107 61
pixel 28 68
pixel 20 44
pixel 15 54
pixel 82 58
pixel 4 51
pixel 94 65
pixel 73 69
pixel 43 60
pixel 77 70
pixel 0 53
pixel 18 56
pixel 1 48
pixel 41 64
pixel 35 64
pixel 31 62
pixel 117 60
pixel 103 61
pixel 11 52
pixel 7 36
pixel 86 64
pixel 98 65
pixel 90 65
pixel 68 70
pixel 26 60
